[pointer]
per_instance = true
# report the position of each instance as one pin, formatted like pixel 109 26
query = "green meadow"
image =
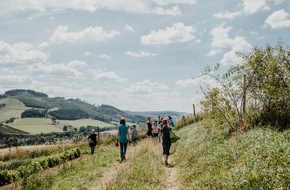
pixel 14 108
pixel 205 158
pixel 44 125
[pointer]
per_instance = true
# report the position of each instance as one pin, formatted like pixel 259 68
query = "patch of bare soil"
pixel 172 180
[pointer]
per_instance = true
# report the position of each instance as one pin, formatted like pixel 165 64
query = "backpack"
pixel 91 143
pixel 134 134
pixel 173 136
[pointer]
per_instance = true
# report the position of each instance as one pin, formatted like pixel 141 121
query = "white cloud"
pixel 166 2
pixel 49 7
pixel 97 34
pixel 251 6
pixel 13 79
pixel 174 11
pixel 221 41
pixel 77 64
pixel 20 53
pixel 128 28
pixel 221 37
pixel 102 74
pixel 202 80
pixel 146 87
pixel 87 53
pixel 178 33
pixel 227 14
pixel 104 56
pixel 140 54
pixel 60 71
pixel 278 2
pixel 43 45
pixel 278 19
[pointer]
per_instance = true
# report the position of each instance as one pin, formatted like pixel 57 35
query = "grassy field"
pixel 14 108
pixel 44 125
pixel 205 158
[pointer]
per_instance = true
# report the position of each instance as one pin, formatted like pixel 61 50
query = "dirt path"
pixel 172 180
pixel 112 173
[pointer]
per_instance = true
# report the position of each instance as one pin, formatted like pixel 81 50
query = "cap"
pixel 164 121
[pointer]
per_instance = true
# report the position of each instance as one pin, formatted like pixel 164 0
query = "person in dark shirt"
pixel 149 127
pixel 166 142
pixel 92 141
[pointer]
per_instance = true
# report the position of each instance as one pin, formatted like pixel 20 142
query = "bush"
pixel 8 176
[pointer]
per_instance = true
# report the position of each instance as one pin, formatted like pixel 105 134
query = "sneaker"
pixel 166 164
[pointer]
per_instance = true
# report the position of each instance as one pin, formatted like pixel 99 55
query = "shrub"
pixel 8 176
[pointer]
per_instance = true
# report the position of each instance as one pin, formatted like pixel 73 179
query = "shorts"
pixel 149 133
pixel 166 148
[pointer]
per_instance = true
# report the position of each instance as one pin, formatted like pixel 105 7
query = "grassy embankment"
pixel 205 158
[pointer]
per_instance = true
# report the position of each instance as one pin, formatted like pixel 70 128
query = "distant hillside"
pixel 72 109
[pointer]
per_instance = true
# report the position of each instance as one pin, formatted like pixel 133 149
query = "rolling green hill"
pixel 33 111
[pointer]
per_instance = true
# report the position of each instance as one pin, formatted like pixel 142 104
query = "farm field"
pixel 13 108
pixel 44 125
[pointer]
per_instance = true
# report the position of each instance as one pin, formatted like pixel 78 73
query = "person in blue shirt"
pixel 171 122
pixel 123 138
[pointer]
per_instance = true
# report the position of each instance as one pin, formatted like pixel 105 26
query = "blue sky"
pixel 138 55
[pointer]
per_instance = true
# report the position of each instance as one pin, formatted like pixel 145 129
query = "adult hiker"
pixel 171 122
pixel 123 138
pixel 166 142
pixel 92 141
pixel 149 127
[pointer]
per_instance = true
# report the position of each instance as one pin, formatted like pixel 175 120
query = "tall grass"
pixel 144 169
pixel 206 157
pixel 258 159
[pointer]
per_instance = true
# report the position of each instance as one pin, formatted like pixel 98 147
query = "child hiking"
pixel 134 135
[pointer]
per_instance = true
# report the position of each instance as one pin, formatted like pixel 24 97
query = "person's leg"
pixel 166 148
pixel 92 150
pixel 125 151
pixel 121 150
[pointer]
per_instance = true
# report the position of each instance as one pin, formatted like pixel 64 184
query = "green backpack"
pixel 173 136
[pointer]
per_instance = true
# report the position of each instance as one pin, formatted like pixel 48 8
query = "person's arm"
pixel 159 135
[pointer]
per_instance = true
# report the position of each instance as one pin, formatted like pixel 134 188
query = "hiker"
pixel 123 138
pixel 155 129
pixel 149 127
pixel 92 141
pixel 130 130
pixel 166 142
pixel 171 122
pixel 134 136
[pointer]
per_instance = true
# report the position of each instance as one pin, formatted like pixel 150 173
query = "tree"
pixel 256 91
pixel 65 128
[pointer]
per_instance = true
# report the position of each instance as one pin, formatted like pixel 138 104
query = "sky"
pixel 136 55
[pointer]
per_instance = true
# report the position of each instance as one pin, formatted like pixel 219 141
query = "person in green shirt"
pixel 123 138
